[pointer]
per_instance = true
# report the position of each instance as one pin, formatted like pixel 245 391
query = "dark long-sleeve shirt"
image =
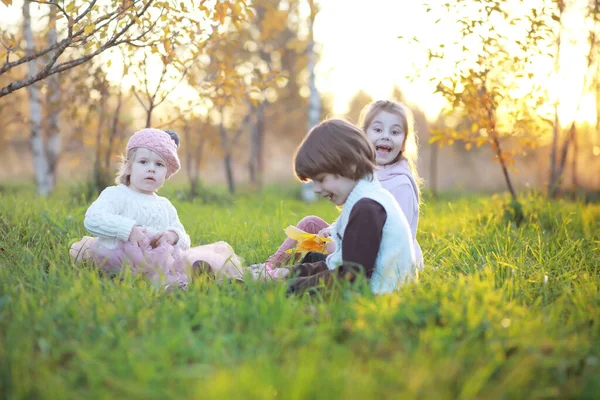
pixel 360 246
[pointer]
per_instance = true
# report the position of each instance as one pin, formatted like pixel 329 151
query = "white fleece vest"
pixel 395 262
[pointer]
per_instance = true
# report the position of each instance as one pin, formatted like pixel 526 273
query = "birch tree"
pixel 79 31
pixel 314 100
pixel 38 149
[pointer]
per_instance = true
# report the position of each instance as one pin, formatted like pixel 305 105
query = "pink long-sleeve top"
pixel 397 178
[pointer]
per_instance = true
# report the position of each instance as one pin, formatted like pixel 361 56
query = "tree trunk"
pixel 193 160
pixel 38 149
pixel 314 100
pixel 555 132
pixel 98 177
pixel 53 136
pixel 227 156
pixel 191 171
pixel 504 169
pixel 597 95
pixel 433 161
pixel 149 115
pixel 574 157
pixel 256 161
pixel 252 158
pixel 562 160
pixel 260 160
pixel 114 132
pixel 229 171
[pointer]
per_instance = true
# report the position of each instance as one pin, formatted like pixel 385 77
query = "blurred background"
pixel 505 94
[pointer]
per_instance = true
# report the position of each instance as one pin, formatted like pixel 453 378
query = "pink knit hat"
pixel 159 142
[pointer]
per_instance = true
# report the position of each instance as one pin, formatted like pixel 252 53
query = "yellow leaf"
pixel 220 12
pixel 89 29
pixel 109 63
pixel 7 2
pixel 167 46
pixel 307 241
pixel 468 146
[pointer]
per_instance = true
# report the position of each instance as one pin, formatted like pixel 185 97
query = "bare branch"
pixel 60 47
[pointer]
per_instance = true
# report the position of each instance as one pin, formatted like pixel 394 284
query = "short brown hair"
pixel 335 147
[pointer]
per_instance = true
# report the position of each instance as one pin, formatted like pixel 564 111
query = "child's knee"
pixel 312 224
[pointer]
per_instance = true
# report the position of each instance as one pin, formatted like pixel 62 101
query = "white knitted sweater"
pixel 118 209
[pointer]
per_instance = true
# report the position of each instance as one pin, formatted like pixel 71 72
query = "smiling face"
pixel 148 171
pixel 387 133
pixel 333 187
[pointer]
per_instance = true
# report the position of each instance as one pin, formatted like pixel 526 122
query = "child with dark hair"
pixel 371 235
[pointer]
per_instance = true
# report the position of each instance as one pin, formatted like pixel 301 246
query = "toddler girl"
pixel 134 226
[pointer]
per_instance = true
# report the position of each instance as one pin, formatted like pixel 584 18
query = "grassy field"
pixel 500 312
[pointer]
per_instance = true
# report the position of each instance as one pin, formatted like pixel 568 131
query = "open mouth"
pixel 383 149
pixel 328 196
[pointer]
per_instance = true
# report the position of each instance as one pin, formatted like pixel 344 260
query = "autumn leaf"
pixel 167 46
pixel 307 241
pixel 220 12
pixel 88 30
pixel 7 2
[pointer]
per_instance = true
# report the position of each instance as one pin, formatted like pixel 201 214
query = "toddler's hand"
pixel 264 272
pixel 277 273
pixel 325 232
pixel 137 236
pixel 164 237
pixel 280 273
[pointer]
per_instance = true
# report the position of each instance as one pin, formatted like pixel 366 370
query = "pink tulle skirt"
pixel 164 265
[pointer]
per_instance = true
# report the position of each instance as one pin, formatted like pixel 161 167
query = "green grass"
pixel 481 322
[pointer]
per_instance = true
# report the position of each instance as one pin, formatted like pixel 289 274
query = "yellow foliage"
pixel 167 46
pixel 89 29
pixel 71 7
pixel 273 23
pixel 220 12
pixel 307 241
